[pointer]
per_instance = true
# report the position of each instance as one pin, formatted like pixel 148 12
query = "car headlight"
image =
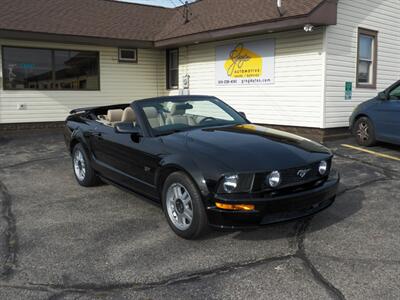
pixel 274 179
pixel 236 183
pixel 323 167
pixel 230 183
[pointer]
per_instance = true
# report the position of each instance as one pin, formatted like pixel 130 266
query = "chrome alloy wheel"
pixel 79 165
pixel 363 131
pixel 179 206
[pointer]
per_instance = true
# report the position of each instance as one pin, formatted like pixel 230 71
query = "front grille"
pixel 291 177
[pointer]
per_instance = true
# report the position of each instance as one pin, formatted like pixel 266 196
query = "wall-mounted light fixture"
pixel 308 28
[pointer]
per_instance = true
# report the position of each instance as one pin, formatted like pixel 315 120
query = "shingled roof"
pixel 151 25
pixel 95 18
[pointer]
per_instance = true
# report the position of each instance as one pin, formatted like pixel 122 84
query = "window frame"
pixel 128 60
pixel 53 69
pixel 374 35
pixel 168 69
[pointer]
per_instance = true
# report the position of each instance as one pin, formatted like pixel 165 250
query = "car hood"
pixel 244 148
pixel 367 104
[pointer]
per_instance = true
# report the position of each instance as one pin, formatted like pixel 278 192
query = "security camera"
pixel 308 28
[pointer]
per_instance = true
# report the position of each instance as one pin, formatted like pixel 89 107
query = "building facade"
pixel 296 65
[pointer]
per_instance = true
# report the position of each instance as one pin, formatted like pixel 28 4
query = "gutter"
pixel 73 39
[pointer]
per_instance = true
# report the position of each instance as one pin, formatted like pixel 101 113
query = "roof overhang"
pixel 324 14
pixel 73 39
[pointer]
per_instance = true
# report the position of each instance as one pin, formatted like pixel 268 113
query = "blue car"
pixel 378 119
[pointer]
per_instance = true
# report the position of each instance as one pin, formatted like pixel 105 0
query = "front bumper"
pixel 274 209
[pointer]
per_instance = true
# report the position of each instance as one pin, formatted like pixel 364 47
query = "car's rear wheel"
pixel 364 132
pixel 183 206
pixel 84 173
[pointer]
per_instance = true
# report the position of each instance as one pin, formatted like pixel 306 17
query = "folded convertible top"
pixel 94 108
pixel 82 109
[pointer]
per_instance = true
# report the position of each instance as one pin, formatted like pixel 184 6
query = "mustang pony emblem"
pixel 303 173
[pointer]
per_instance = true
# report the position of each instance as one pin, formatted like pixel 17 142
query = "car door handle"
pixel 94 133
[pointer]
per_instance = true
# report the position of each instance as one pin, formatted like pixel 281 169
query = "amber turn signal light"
pixel 245 207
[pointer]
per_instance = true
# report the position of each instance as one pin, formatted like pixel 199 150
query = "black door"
pixel 128 160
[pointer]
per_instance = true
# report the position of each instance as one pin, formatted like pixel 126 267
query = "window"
pixel 49 69
pixel 367 58
pixel 172 69
pixel 172 115
pixel 395 93
pixel 127 55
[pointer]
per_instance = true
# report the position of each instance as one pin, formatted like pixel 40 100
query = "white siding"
pixel 379 15
pixel 296 97
pixel 119 83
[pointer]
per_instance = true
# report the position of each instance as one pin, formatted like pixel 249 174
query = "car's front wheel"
pixel 183 206
pixel 364 132
pixel 84 173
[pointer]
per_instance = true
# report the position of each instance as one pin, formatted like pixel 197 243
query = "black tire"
pixel 89 177
pixel 199 223
pixel 364 132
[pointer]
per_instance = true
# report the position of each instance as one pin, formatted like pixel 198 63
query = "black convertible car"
pixel 204 162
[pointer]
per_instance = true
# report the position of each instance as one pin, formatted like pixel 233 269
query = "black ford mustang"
pixel 203 161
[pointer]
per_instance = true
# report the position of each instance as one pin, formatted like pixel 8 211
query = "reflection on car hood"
pixel 254 148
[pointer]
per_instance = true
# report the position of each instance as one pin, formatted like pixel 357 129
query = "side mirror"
pixel 242 114
pixel 382 96
pixel 127 128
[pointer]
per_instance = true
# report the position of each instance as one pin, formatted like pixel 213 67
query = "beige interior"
pixel 114 115
pixel 177 115
pixel 128 115
pixel 154 117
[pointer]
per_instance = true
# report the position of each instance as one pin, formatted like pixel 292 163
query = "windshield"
pixel 174 115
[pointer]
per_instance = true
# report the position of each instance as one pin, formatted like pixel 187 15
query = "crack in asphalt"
pixel 20 164
pixel 10 232
pixel 84 288
pixel 361 185
pixel 358 260
pixel 301 254
pixel 392 174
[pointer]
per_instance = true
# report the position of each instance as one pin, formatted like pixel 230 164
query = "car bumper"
pixel 275 209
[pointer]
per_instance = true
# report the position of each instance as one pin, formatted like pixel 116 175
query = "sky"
pixel 166 3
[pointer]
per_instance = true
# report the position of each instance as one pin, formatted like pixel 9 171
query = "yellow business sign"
pixel 246 63
pixel 243 63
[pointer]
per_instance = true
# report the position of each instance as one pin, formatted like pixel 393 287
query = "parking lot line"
pixel 372 152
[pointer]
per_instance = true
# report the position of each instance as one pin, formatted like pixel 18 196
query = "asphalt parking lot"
pixel 62 241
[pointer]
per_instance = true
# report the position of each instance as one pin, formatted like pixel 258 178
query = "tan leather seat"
pixel 154 117
pixel 177 115
pixel 128 115
pixel 114 115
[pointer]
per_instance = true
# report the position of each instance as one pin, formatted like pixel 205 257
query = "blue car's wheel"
pixel 364 132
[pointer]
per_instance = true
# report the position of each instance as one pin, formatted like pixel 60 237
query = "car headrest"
pixel 180 108
pixel 114 115
pixel 151 112
pixel 128 115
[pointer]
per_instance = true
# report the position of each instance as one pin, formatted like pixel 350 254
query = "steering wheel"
pixel 206 119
